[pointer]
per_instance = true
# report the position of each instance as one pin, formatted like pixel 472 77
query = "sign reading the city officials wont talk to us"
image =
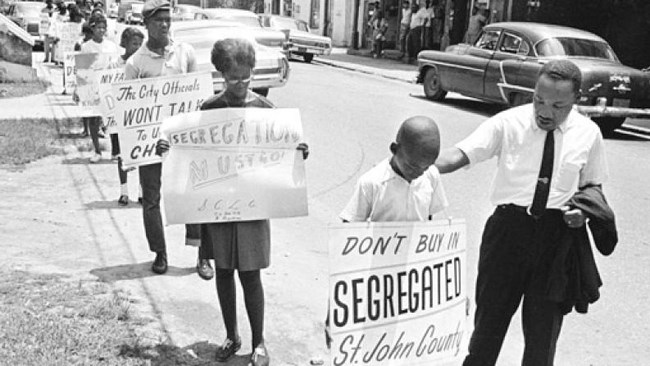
pixel 233 164
pixel 141 105
pixel 397 293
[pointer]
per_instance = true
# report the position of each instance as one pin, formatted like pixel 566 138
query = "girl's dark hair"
pixel 128 34
pixel 85 28
pixel 229 52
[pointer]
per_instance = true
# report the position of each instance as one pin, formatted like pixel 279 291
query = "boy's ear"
pixel 393 147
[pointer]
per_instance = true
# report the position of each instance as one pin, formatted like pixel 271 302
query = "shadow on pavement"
pixel 111 205
pixel 197 354
pixel 85 161
pixel 136 271
pixel 467 105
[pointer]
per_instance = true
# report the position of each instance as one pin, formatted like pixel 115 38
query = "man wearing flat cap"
pixel 161 56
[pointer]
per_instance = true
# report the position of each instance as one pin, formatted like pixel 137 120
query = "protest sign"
pixel 69 71
pixel 141 105
pixel 397 293
pixel 68 33
pixel 234 164
pixel 91 70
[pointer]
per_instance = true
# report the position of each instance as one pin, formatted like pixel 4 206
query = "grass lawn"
pixel 23 141
pixel 15 90
pixel 51 320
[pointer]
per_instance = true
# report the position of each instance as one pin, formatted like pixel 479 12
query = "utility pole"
pixel 355 25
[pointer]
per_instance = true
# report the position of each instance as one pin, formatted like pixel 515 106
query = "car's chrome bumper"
pixel 605 111
pixel 297 48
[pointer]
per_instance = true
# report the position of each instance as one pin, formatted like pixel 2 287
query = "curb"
pixel 363 70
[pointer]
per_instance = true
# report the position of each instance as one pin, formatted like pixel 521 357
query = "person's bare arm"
pixel 451 160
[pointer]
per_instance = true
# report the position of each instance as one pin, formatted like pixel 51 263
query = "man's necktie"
pixel 545 174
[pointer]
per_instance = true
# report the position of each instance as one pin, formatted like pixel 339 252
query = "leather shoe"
pixel 260 357
pixel 159 265
pixel 228 349
pixel 204 269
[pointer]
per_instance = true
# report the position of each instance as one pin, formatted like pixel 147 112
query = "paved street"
pixel 349 121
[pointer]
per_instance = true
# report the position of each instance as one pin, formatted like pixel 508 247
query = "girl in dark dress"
pixel 243 245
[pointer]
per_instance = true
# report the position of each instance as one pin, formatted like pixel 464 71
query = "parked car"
pixel 271 67
pixel 244 18
pixel 126 6
pixel 503 64
pixel 184 12
pixel 27 14
pixel 301 41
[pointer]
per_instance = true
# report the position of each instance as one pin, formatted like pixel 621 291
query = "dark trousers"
pixel 516 251
pixel 415 42
pixel 153 226
pixel 115 151
pixel 94 123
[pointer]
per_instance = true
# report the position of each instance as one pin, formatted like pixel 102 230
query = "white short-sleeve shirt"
pixel 518 143
pixel 382 195
pixel 178 58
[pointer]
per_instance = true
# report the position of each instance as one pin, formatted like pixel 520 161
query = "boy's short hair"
pixel 128 34
pixel 232 51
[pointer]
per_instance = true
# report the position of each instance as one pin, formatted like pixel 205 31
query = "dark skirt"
pixel 241 245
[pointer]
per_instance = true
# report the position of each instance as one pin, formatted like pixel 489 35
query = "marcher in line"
pixel 131 41
pixel 404 187
pixel 49 10
pixel 98 44
pixel 547 153
pixel 161 56
pixel 242 245
pixel 379 29
pixel 404 27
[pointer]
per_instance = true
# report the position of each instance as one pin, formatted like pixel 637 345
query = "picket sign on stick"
pixel 397 293
pixel 69 72
pixel 69 34
pixel 141 105
pixel 234 164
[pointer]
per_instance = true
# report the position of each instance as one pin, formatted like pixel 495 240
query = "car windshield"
pixel 575 47
pixel 31 10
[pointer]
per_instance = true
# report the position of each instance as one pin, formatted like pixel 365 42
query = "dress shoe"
pixel 228 349
pixel 260 357
pixel 159 265
pixel 123 200
pixel 204 269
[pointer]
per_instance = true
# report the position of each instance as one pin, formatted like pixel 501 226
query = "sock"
pixel 124 189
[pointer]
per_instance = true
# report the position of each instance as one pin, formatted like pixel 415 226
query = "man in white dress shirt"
pixel 522 234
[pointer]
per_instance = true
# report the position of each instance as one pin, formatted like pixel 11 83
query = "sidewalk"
pixel 51 105
pixel 361 61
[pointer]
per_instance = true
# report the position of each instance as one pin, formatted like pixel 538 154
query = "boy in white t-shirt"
pixel 404 187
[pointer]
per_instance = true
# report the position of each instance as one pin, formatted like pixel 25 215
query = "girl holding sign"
pixel 131 40
pixel 97 44
pixel 242 245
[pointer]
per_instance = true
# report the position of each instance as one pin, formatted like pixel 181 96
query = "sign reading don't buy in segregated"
pixel 141 105
pixel 397 293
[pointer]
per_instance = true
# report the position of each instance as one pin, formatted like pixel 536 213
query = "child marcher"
pixel 242 245
pixel 131 41
pixel 404 187
pixel 97 44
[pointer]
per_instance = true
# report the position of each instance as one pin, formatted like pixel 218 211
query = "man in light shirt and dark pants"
pixel 547 152
pixel 161 56
pixel 404 26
